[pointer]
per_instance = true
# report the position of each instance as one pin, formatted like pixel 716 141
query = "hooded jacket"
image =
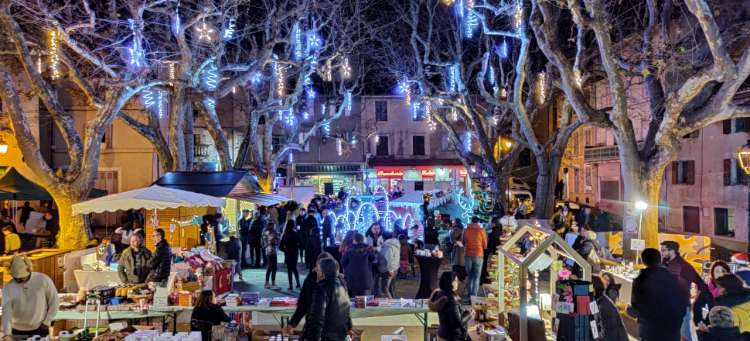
pixel 453 319
pixel 357 264
pixel 390 254
pixel 659 302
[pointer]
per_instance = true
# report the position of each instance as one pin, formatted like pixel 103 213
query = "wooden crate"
pixel 47 261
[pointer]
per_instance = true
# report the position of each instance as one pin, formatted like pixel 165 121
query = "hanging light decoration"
pixel 289 117
pixel 299 47
pixel 229 30
pixel 454 114
pixel 518 15
pixel 502 50
pixel 159 103
pixel 339 147
pixel 147 98
pixel 467 141
pixel 291 157
pixel 256 78
pixel 205 32
pixel 471 22
pixel 348 103
pixel 280 79
pixel 54 54
pixel 305 115
pixel 211 77
pixel 577 79
pixel 171 70
pixel 346 69
pixel 327 71
pixel 454 78
pixel 135 52
pixel 415 110
pixel 541 86
pixel 177 25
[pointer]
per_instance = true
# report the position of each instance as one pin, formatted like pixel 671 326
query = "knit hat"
pixel 721 317
pixel 20 267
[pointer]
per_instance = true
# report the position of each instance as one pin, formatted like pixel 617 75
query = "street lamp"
pixel 743 155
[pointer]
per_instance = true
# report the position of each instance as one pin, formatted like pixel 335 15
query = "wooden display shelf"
pixel 47 261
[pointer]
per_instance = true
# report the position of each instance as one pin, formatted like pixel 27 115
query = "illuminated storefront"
pixel 329 178
pixel 419 178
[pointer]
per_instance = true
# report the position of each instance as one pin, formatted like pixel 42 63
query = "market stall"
pixel 532 249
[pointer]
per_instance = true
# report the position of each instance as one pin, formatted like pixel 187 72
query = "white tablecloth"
pixel 90 279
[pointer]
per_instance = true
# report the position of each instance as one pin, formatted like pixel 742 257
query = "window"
pixel 381 148
pixel 683 172
pixel 587 181
pixel 381 111
pixel 419 185
pixel 736 125
pixel 588 138
pixel 691 219
pixel 577 180
pixel 609 190
pixel 575 144
pixel 107 180
pixel 524 158
pixel 733 173
pixel 417 144
pixel 723 222
pixel 693 135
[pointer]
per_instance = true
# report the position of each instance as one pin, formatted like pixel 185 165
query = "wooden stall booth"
pixel 47 261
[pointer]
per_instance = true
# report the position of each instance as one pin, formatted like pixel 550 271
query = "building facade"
pixel 703 192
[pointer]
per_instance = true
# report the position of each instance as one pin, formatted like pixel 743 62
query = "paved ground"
pixel 254 280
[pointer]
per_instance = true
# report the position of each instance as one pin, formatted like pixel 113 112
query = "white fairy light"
pixel 172 70
pixel 299 47
pixel 541 87
pixel 376 139
pixel 577 79
pixel 467 141
pixel 160 103
pixel 135 51
pixel 454 115
pixel 348 103
pixel 39 67
pixel 291 157
pixel 204 31
pixel 54 54
pixel 495 120
pixel 328 71
pixel 518 15
pixel 339 147
pixel 280 80
pixel 211 77
pixel 346 69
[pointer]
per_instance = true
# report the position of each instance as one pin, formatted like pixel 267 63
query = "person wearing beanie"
pixel 723 326
pixel 29 300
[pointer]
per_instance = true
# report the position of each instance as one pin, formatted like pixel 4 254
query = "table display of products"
pixel 575 310
pixel 197 265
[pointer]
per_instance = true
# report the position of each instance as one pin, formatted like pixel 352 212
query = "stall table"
pixel 626 287
pixel 428 275
pixel 89 279
pixel 419 313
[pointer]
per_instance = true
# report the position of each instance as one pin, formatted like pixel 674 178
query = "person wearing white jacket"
pixel 29 301
pixel 390 255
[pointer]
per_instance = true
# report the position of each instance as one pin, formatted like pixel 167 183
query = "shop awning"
pixel 327 168
pixel 154 197
pixel 231 184
pixel 262 198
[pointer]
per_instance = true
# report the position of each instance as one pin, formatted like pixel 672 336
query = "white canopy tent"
pixel 154 197
pixel 263 199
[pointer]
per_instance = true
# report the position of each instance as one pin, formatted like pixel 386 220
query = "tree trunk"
pixel 73 230
pixel 640 183
pixel 546 179
pixel 189 132
pixel 266 182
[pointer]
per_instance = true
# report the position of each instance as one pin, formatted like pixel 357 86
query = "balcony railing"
pixel 600 154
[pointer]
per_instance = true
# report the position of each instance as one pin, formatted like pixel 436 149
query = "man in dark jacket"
pixel 161 263
pixel 658 300
pixel 329 318
pixel 244 224
pixel 305 295
pixel 357 263
pixel 256 232
pixel 327 228
pixel 302 235
pixel 311 231
pixel 686 276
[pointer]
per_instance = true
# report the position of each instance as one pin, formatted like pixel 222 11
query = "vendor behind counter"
pixel 30 300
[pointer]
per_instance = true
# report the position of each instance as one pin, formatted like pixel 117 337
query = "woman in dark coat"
pixel 357 264
pixel 290 245
pixel 311 230
pixel 612 327
pixel 453 318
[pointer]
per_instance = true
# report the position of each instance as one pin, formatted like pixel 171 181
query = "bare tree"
pixel 691 63
pixel 84 59
pixel 285 60
pixel 468 64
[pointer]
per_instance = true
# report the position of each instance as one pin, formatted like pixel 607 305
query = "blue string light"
pixel 491 75
pixel 502 50
pixel 454 78
pixel 313 41
pixel 305 115
pixel 229 30
pixel 415 110
pixel 135 51
pixel 256 78
pixel 211 77
pixel 467 141
pixel 348 103
pixel 147 98
pixel 471 22
pixel 289 118
pixel 298 45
